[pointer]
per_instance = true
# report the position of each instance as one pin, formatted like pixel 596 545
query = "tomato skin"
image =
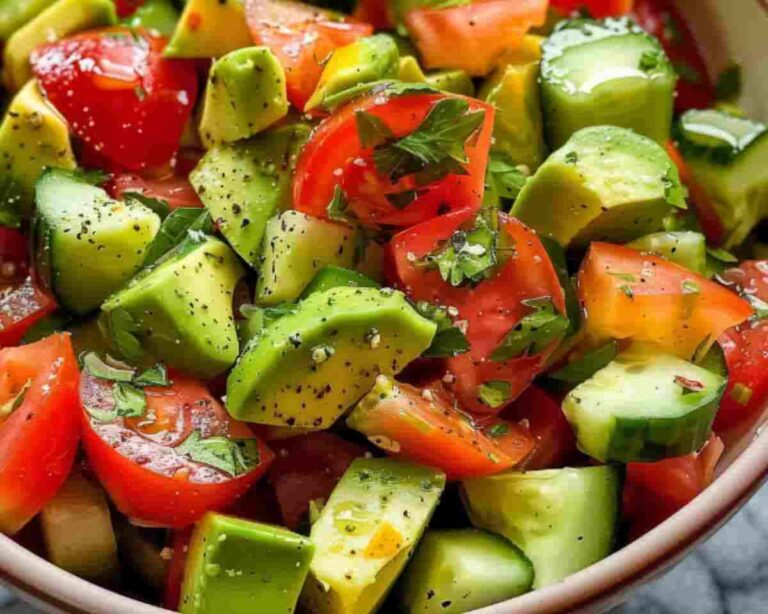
pixel 479 33
pixel 746 352
pixel 596 8
pixel 302 37
pixel 38 441
pixel 142 493
pixel 126 8
pixel 334 155
pixel 629 295
pixel 176 191
pixel 662 19
pixel 21 306
pixel 307 468
pixel 375 13
pixel 131 104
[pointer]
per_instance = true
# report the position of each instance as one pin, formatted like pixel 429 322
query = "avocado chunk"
pixel 366 532
pixel 156 15
pixel 607 72
pixel 244 184
pixel 352 68
pixel 179 310
pixel 563 519
pixel 336 277
pixel 296 246
pixel 457 570
pixel 727 157
pixel 409 70
pixel 209 29
pixel 686 248
pixel 33 136
pixel 606 183
pixel 309 366
pixel 15 13
pixel 61 19
pixel 87 245
pixel 239 566
pixel 452 81
pixel 644 407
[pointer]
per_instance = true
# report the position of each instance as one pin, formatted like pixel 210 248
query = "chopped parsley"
pixel 130 401
pixel 650 60
pixel 448 340
pixel 234 457
pixel 534 333
pixel 495 393
pixel 507 178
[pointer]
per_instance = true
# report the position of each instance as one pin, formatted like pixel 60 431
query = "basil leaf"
pixel 337 208
pixel 582 369
pixel 448 340
pixel 507 178
pixel 495 393
pixel 371 129
pixel 120 327
pixel 534 332
pixel 159 206
pixel 130 401
pixel 173 231
pixel 98 368
pixel 154 376
pixel 497 430
pixel 234 457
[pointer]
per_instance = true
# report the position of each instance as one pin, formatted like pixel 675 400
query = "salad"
pixel 411 305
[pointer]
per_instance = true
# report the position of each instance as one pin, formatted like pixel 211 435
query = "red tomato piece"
pixel 308 468
pixel 126 8
pixel 426 427
pixel 334 156
pixel 630 295
pixel 302 37
pixel 489 310
pixel 21 305
pixel 596 8
pixel 122 98
pixel 473 37
pixel 176 191
pixel 655 491
pixel 662 19
pixel 746 352
pixel 179 544
pixel 38 439
pixel 138 462
pixel 375 13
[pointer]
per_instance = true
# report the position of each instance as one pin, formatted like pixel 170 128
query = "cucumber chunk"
pixel 686 248
pixel 563 519
pixel 644 407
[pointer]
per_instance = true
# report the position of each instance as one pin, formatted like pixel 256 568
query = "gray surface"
pixel 726 575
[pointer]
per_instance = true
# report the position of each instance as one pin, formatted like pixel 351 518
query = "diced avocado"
pixel 244 184
pixel 156 15
pixel 239 566
pixel 563 519
pixel 366 532
pixel 209 29
pixel 87 245
pixel 15 13
pixel 308 367
pixel 727 157
pixel 246 93
pixel 686 248
pixel 352 68
pixel 409 70
pixel 77 531
pixel 452 81
pixel 607 72
pixel 296 246
pixel 644 407
pixel 180 310
pixel 518 131
pixel 605 183
pixel 61 19
pixel 457 570
pixel 336 277
pixel 32 137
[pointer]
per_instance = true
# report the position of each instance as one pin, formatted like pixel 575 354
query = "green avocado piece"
pixel 15 13
pixel 458 570
pixel 607 72
pixel 452 81
pixel 156 15
pixel 239 566
pixel 562 519
pixel 366 533
pixel 308 367
pixel 243 184
pixel 87 245
pixel 295 247
pixel 353 67
pixel 686 248
pixel 209 29
pixel 33 136
pixel 179 310
pixel 605 183
pixel 62 19
pixel 409 70
pixel 336 277
pixel 246 93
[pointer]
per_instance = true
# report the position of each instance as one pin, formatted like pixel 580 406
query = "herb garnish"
pixel 449 340
pixel 234 457
pixel 534 333
pixel 495 393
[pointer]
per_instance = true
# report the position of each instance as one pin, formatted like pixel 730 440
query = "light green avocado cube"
pixel 409 70
pixel 246 93
pixel 452 81
pixel 15 13
pixel 209 29
pixel 242 567
pixel 155 15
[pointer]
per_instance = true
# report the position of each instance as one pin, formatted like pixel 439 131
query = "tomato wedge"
pixel 374 12
pixel 176 191
pixel 122 98
pixel 335 158
pixel 39 426
pixel 490 310
pixel 473 37
pixel 424 426
pixel 302 37
pixel 629 295
pixel 169 463
pixel 21 305
pixel 596 8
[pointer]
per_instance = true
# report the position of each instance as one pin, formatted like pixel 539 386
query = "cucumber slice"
pixel 686 248
pixel 644 407
pixel 563 519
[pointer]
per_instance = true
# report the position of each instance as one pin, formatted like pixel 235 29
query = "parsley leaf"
pixel 154 376
pixel 231 456
pixel 130 401
pixel 497 430
pixel 495 393
pixel 337 209
pixel 98 368
pixel 507 178
pixel 650 60
pixel 534 332
pixel 93 176
pixel 582 369
pixel 119 326
pixel 448 340
pixel 159 206
pixel 371 129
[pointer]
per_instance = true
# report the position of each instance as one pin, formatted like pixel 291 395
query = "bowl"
pixel 734 31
